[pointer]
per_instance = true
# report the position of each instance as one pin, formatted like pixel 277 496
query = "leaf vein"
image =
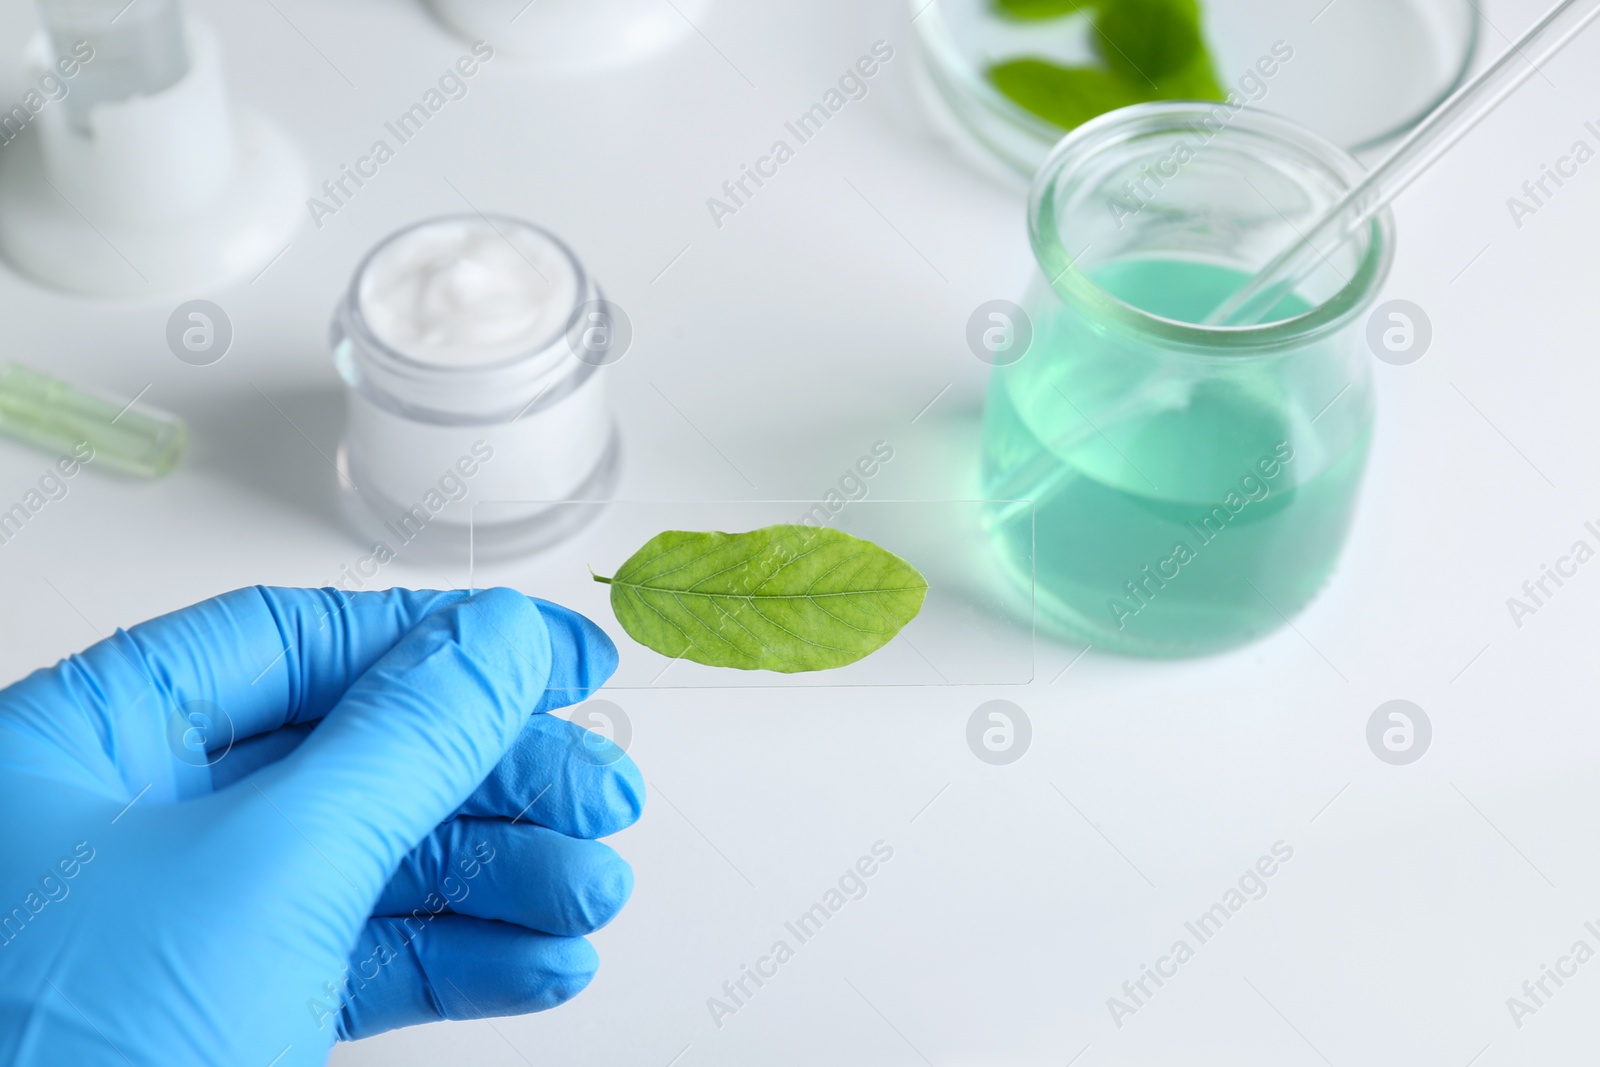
pixel 765 647
pixel 642 564
pixel 797 637
pixel 841 622
pixel 776 596
pixel 707 627
pixel 797 559
pixel 684 633
pixel 833 568
pixel 732 566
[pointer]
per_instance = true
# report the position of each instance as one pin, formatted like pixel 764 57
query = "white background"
pixel 822 318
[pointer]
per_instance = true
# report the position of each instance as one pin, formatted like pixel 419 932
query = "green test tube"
pixel 48 413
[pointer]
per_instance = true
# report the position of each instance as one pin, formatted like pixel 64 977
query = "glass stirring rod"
pixel 1436 135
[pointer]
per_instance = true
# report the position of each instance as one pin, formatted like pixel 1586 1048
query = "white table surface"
pixel 818 320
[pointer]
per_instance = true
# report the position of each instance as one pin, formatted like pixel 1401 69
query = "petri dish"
pixel 1362 72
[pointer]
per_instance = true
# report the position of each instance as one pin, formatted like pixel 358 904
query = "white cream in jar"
pixel 462 293
pixel 459 341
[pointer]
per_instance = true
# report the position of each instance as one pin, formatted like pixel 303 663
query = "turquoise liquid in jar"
pixel 1162 486
pixel 1175 512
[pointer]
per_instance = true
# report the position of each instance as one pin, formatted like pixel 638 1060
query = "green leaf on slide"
pixel 783 598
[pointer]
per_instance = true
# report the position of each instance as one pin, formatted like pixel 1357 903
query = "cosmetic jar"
pixel 473 350
pixel 566 37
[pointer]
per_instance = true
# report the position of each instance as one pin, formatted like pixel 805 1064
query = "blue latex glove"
pixel 426 852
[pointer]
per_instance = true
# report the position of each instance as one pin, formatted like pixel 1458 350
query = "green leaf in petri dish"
pixel 1065 96
pixel 1152 50
pixel 1031 10
pixel 783 598
pixel 1143 40
pixel 1197 81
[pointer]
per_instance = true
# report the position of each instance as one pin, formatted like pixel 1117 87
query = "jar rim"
pixel 1119 127
pixel 423 368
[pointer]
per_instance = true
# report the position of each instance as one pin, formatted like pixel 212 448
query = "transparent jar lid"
pixel 1362 72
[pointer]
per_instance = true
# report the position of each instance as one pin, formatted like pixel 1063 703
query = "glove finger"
pixel 252 661
pixel 413 737
pixel 565 777
pixel 323 652
pixel 253 753
pixel 512 872
pixel 557 774
pixel 404 972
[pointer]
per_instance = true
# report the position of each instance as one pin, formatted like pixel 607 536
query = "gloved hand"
pixel 426 852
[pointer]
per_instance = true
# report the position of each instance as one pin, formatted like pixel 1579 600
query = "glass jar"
pixel 472 349
pixel 1187 487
